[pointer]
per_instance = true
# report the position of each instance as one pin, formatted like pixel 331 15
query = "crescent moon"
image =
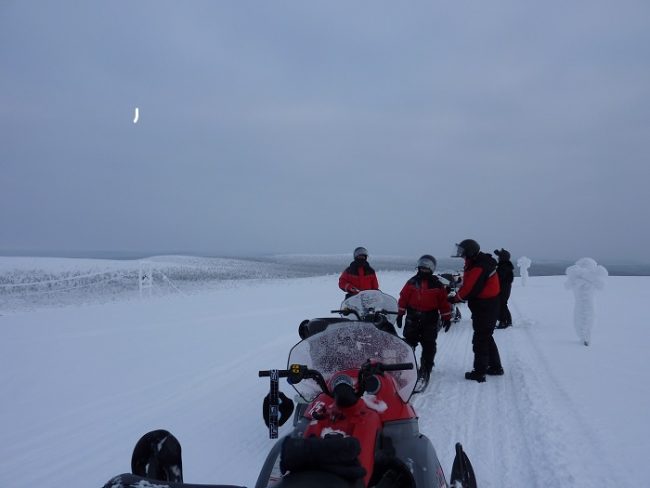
pixel 137 115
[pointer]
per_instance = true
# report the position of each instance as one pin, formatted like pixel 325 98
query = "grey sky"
pixel 317 126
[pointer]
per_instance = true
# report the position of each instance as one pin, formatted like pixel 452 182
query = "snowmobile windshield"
pixel 367 302
pixel 348 345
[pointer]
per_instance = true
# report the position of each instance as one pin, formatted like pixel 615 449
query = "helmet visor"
pixel 460 251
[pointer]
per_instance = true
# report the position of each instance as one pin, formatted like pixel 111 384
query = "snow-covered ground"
pixel 79 384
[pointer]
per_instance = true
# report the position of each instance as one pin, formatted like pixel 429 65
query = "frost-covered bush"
pixel 584 278
pixel 523 263
pixel 28 283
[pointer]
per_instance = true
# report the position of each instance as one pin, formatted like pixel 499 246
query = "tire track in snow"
pixel 509 424
pixel 573 441
pixel 556 431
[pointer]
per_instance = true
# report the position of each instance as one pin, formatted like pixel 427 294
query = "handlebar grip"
pixel 397 367
pixel 282 373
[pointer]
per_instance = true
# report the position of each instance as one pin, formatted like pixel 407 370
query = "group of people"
pixel 425 306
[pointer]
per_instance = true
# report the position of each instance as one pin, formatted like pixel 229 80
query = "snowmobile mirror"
pixel 303 329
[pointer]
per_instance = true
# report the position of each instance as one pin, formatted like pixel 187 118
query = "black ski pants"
pixel 484 318
pixel 422 328
pixel 504 312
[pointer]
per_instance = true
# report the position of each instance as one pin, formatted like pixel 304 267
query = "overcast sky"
pixel 318 126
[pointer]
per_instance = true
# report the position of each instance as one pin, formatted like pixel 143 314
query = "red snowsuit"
pixel 359 275
pixel 424 299
pixel 481 290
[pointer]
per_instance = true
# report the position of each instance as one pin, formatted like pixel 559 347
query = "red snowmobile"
pixel 357 429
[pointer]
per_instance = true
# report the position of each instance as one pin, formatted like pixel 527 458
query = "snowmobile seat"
pixel 308 328
pixel 316 462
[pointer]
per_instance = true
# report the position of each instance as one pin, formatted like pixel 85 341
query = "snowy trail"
pixel 80 385
pixel 516 425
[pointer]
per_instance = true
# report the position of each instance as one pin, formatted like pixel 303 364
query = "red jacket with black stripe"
pixel 424 294
pixel 480 278
pixel 360 276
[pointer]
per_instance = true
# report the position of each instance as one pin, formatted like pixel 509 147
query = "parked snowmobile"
pixel 358 429
pixel 452 281
pixel 368 306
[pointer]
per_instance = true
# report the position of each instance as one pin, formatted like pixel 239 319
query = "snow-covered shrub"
pixel 523 263
pixel 584 278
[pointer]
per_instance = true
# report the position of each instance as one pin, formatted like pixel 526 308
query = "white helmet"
pixel 428 262
pixel 360 251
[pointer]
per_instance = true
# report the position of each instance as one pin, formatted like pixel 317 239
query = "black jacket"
pixel 506 272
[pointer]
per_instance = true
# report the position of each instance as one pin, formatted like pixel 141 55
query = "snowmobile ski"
pixel 462 472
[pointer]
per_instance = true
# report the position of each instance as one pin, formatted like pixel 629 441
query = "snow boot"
pixel 423 380
pixel 426 375
pixel 495 371
pixel 476 376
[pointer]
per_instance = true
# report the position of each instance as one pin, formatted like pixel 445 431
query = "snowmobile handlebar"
pixel 396 367
pixel 298 372
pixel 347 311
pixel 371 312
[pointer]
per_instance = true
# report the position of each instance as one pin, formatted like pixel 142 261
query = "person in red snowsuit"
pixel 359 275
pixel 480 288
pixel 424 301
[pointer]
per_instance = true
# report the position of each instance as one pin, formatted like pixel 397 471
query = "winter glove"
pixel 399 320
pixel 453 298
pixel 353 289
pixel 446 324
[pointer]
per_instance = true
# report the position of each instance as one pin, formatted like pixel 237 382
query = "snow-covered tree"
pixel 584 278
pixel 523 263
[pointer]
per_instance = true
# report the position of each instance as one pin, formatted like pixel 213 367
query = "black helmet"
pixel 468 248
pixel 427 261
pixel 360 251
pixel 502 254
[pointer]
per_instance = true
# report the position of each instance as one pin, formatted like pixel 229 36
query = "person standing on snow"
pixel 359 275
pixel 505 270
pixel 480 288
pixel 424 301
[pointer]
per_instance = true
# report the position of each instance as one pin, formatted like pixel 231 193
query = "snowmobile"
pixel 358 431
pixel 368 306
pixel 452 281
